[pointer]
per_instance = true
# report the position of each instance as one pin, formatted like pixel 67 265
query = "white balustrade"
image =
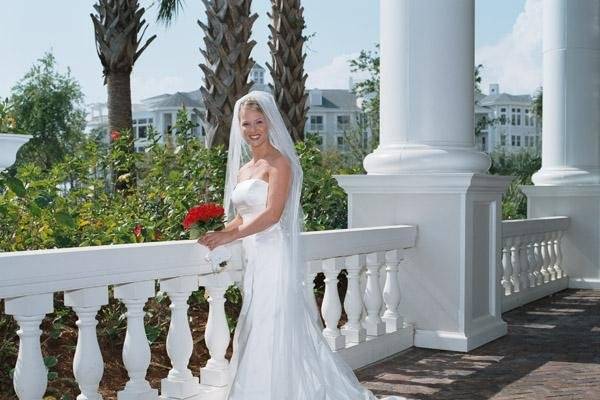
pixel 30 375
pixel 136 350
pixel 391 292
pixel 373 297
pixel 531 259
pixel 216 335
pixel 353 329
pixel 84 275
pixel 332 307
pixel 88 365
pixel 180 383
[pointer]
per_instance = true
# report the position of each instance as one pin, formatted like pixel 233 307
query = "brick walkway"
pixel 552 351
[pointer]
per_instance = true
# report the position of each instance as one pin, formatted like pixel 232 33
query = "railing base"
pixel 519 299
pixel 378 347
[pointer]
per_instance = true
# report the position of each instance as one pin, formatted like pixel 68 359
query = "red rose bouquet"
pixel 203 218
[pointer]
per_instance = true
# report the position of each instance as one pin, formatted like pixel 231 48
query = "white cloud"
pixel 335 75
pixel 515 61
pixel 143 86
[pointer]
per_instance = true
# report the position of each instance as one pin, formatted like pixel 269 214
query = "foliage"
pixel 521 166
pixel 48 105
pixel 368 89
pixel 477 78
pixel 7 119
pixel 537 104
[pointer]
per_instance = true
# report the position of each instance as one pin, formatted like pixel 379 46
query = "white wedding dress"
pixel 262 346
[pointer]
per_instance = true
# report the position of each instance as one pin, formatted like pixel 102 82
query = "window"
pixel 316 123
pixel 167 122
pixel 320 140
pixel 140 127
pixel 340 142
pixel 515 140
pixel 343 123
pixel 526 117
pixel 483 143
pixel 503 116
pixel 518 117
pixel 502 140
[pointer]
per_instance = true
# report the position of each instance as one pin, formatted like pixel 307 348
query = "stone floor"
pixel 552 351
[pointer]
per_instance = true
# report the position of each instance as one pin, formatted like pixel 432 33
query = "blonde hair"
pixel 251 104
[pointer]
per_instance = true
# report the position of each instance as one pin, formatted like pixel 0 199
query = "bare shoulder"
pixel 280 163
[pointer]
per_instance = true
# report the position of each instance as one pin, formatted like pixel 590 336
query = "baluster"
pixel 531 262
pixel 547 268
pixel 560 272
pixel 309 285
pixel 507 269
pixel 136 350
pixel 551 256
pixel 515 260
pixel 539 262
pixel 217 338
pixel 332 307
pixel 525 266
pixel 391 292
pixel 88 365
pixel 180 383
pixel 353 330
pixel 30 374
pixel 373 298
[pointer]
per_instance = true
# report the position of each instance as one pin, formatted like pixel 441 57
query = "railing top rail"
pixel 534 226
pixel 347 242
pixel 46 271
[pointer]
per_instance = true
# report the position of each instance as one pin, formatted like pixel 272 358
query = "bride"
pixel 279 352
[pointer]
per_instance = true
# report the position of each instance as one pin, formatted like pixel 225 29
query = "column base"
pixel 581 203
pixel 566 176
pixel 449 282
pixel 418 158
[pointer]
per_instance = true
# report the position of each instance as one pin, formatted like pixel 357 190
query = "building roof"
pixel 504 98
pixel 336 99
pixel 176 100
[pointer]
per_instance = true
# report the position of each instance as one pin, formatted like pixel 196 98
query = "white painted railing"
pixel 532 261
pixel 30 278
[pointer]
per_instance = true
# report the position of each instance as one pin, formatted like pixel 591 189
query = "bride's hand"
pixel 215 239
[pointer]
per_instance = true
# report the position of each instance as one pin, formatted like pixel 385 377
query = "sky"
pixel 507 43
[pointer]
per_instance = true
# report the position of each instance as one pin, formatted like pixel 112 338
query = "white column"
pixel 391 292
pixel 30 376
pixel 136 350
pixel 332 307
pixel 88 365
pixel 427 58
pixel 353 305
pixel 571 120
pixel 180 383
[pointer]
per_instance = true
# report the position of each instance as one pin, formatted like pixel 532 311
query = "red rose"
pixel 203 213
pixel 137 231
pixel 115 135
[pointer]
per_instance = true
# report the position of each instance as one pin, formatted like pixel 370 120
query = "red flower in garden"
pixel 115 135
pixel 206 212
pixel 137 231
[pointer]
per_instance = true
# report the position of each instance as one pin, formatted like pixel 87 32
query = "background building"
pixel 513 126
pixel 332 114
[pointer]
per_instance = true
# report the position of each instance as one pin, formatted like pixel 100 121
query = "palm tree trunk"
pixel 286 43
pixel 119 101
pixel 228 63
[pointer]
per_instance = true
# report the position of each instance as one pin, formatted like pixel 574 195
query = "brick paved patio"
pixel 552 351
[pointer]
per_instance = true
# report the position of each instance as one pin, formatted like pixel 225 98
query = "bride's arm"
pixel 233 224
pixel 279 183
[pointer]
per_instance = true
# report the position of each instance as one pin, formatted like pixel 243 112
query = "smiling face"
pixel 254 125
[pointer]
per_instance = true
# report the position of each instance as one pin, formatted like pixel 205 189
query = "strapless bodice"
pixel 250 197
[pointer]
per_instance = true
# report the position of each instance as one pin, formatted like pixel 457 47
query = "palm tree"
pixel 117 26
pixel 227 59
pixel 286 42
